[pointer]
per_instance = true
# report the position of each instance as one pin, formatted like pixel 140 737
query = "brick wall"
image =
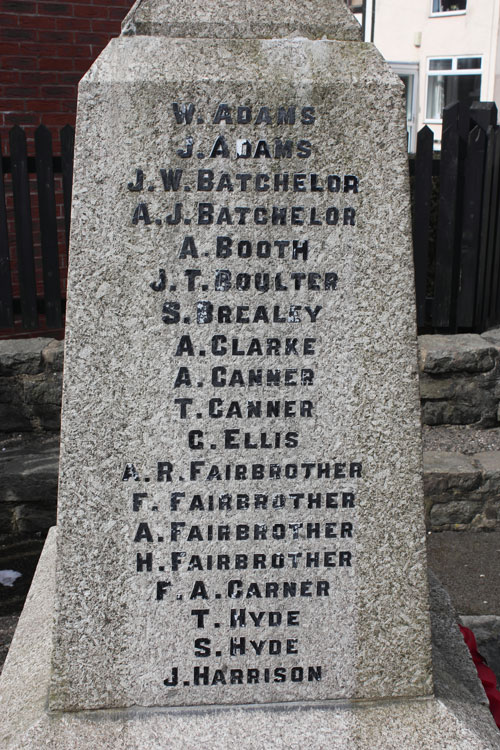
pixel 45 48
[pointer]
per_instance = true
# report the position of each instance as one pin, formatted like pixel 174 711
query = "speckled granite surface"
pixel 456 720
pixel 313 19
pixel 116 640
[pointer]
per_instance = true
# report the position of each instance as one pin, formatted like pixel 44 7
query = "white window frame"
pixel 444 13
pixel 452 72
pixel 410 69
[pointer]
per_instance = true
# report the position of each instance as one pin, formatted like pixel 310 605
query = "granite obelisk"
pixel 240 505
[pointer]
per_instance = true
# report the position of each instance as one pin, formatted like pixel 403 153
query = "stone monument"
pixel 240 505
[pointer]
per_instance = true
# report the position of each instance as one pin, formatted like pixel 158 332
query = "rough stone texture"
pixel 459 382
pixel 233 19
pixel 450 655
pixel 493 335
pixel 465 439
pixel 28 486
pixel 458 719
pixel 53 356
pixel 7 627
pixel 469 568
pixel 119 372
pixel 462 491
pixel 29 465
pixel 486 628
pixel 30 385
pixel 20 357
pixel 22 557
pixel 459 379
pixel 463 352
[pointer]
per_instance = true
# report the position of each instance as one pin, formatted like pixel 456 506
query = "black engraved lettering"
pixel 171 179
pixel 141 213
pixel 139 182
pixel 183 113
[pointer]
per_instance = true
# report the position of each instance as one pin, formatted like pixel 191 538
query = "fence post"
pixel 421 216
pixel 484 114
pixel 447 245
pixel 24 231
pixel 471 223
pixel 6 309
pixel 488 189
pixel 67 135
pixel 48 227
pixel 488 229
pixel 493 303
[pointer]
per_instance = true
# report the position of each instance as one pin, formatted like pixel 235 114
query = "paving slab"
pixel 468 566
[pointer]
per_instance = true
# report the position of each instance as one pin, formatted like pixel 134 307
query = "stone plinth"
pixel 457 717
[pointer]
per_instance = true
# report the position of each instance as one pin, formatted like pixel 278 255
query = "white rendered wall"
pixel 401 24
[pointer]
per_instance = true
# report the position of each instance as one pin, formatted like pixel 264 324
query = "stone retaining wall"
pixel 462 492
pixel 30 385
pixel 460 384
pixel 459 381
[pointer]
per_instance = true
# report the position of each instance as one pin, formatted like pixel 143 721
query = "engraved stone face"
pixel 240 498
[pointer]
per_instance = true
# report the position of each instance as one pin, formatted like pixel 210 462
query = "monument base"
pixel 458 717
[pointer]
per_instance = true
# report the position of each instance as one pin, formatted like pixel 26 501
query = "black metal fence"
pixel 32 293
pixel 456 226
pixel 456 222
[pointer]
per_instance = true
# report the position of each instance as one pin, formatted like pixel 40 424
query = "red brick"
pixel 125 4
pixel 55 9
pixel 11 35
pixel 69 78
pixel 12 105
pixel 35 76
pixel 73 50
pixel 69 105
pixel 42 105
pixel 93 38
pixel 8 19
pixel 81 66
pixel 110 27
pixel 10 48
pixel 84 24
pixel 9 76
pixel 40 49
pixel 56 63
pixel 118 13
pixel 57 120
pixel 37 22
pixel 88 11
pixel 57 37
pixel 58 92
pixel 19 92
pixel 18 62
pixel 19 6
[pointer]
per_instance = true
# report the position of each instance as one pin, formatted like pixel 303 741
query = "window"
pixel 408 72
pixel 451 79
pixel 448 6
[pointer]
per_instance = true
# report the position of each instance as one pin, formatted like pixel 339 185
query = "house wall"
pixel 405 31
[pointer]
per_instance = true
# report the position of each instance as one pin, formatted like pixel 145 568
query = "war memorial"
pixel 239 559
